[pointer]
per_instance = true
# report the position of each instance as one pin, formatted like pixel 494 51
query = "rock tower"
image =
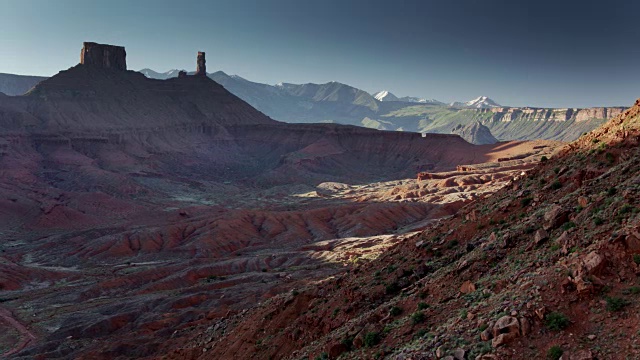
pixel 202 67
pixel 103 56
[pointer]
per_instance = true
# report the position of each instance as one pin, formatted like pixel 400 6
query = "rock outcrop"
pixel 475 133
pixel 103 56
pixel 201 70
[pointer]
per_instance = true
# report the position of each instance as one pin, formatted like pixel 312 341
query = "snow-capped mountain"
pixel 162 76
pixel 384 95
pixel 388 96
pixel 481 102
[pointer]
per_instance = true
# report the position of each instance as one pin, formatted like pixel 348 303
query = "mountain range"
pixel 335 102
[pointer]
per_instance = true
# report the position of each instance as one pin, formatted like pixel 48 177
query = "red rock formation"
pixel 202 67
pixel 103 56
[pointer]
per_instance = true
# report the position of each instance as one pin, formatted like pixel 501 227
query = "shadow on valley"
pixel 132 209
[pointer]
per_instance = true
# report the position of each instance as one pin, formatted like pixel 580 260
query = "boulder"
pixel 540 236
pixel 593 263
pixel 506 329
pixel 459 354
pixel 336 349
pixel 525 327
pixel 501 339
pixel 583 201
pixel 467 287
pixel 580 355
pixel 506 325
pixel 555 217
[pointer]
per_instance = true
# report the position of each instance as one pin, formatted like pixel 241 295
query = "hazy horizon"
pixel 541 54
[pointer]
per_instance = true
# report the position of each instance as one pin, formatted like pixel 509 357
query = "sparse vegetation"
pixel 615 304
pixel 526 201
pixel 395 311
pixel 422 305
pixel 392 288
pixel 323 356
pixel 554 353
pixel 371 339
pixel 556 185
pixel 418 317
pixel 544 158
pixel 557 321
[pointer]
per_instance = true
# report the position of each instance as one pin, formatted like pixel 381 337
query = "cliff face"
pixel 103 56
pixel 540 114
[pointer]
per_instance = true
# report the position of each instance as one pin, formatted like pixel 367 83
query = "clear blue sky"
pixel 537 52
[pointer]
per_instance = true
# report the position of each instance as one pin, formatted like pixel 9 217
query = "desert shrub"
pixel 392 288
pixel 451 244
pixel 634 290
pixel 544 158
pixel 610 158
pixel 612 191
pixel 557 321
pixel 422 305
pixel 598 221
pixel 616 304
pixel 554 353
pixel 626 208
pixel 568 225
pixel 395 311
pixel 418 317
pixel 636 258
pixel 556 185
pixel 420 333
pixel 348 343
pixel 526 201
pixel 323 356
pixel 371 339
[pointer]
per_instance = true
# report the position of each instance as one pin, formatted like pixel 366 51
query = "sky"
pixel 520 53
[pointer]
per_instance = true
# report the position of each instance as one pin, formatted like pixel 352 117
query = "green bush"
pixel 453 243
pixel 418 317
pixel 611 191
pixel 526 201
pixel 616 303
pixel 395 311
pixel 598 221
pixel 371 339
pixel 392 288
pixel 348 343
pixel 422 305
pixel 556 185
pixel 636 258
pixel 544 158
pixel 323 356
pixel 555 352
pixel 634 290
pixel 557 321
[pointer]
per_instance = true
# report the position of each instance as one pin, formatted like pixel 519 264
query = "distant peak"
pixel 385 95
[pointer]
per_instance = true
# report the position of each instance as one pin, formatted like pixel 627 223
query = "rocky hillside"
pixel 17 84
pixel 547 268
pixel 475 133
